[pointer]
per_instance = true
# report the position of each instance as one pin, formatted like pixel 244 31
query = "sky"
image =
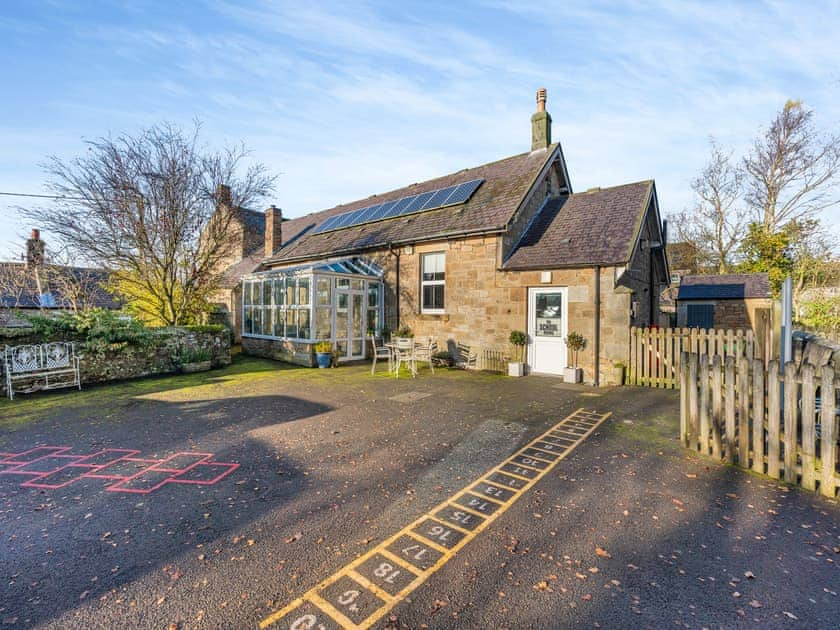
pixel 344 100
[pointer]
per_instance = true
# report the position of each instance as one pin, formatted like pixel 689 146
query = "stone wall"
pixel 280 350
pixel 128 362
pixel 483 304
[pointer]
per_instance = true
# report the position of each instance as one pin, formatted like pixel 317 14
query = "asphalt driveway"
pixel 212 501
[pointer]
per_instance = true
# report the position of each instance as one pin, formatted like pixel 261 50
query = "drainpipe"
pixel 396 253
pixel 597 325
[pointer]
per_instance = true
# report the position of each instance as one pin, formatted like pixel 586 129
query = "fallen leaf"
pixel 603 553
pixel 755 603
pixel 294 538
pixel 789 614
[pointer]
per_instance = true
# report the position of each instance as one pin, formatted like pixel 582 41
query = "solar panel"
pixel 417 204
pixel 365 214
pixel 438 199
pixel 385 209
pixel 463 192
pixel 430 200
pixel 401 205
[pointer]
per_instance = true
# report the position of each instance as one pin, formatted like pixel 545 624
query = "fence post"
pixel 790 422
pixel 670 360
pixel 809 433
pixel 750 347
pixel 684 389
pixel 704 404
pixel 717 407
pixel 743 412
pixel 758 415
pixel 773 419
pixel 692 401
pixel 828 436
pixel 729 402
pixel 631 368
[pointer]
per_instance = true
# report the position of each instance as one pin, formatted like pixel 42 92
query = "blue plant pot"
pixel 323 359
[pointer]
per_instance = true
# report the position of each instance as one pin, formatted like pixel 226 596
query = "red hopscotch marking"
pixel 121 486
pixel 97 469
pixel 40 481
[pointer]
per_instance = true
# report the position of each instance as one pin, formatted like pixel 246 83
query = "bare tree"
pixel 74 288
pixel 15 285
pixel 791 170
pixel 141 206
pixel 717 223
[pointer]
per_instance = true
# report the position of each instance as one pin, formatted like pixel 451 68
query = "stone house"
pixel 465 259
pixel 738 301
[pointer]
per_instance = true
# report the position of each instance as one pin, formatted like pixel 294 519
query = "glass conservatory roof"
pixel 356 266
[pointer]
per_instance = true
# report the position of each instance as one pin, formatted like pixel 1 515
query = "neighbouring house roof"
pixel 732 286
pixel 19 289
pixel 506 184
pixel 233 274
pixel 599 226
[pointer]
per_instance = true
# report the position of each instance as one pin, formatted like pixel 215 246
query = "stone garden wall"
pixel 122 361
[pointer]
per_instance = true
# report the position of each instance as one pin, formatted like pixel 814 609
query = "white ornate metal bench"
pixel 41 366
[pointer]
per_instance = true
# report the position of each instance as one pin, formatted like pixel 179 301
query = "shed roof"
pixel 734 286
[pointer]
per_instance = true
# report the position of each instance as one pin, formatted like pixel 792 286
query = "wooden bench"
pixel 41 366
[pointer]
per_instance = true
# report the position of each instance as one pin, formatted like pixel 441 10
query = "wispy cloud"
pixel 352 99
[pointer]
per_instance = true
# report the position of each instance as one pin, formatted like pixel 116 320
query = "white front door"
pixel 547 329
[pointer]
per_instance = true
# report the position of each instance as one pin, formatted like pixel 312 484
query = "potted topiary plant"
pixel 323 354
pixel 575 342
pixel 618 372
pixel 518 339
pixel 195 360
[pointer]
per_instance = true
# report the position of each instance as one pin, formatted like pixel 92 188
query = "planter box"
pixel 618 375
pixel 323 359
pixel 199 366
pixel 573 375
pixel 516 368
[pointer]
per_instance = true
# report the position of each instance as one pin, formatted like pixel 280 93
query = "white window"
pixel 432 282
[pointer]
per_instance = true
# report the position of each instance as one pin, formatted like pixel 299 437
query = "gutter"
pixel 390 244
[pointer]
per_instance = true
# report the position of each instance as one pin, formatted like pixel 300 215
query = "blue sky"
pixel 350 99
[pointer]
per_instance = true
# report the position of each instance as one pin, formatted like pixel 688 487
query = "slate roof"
pixel 595 227
pixel 30 298
pixel 734 286
pixel 506 184
pixel 233 274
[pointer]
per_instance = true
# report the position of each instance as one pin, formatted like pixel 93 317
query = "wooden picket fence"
pixel 655 352
pixel 784 425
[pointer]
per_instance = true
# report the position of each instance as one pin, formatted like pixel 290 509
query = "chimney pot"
pixel 540 124
pixel 541 96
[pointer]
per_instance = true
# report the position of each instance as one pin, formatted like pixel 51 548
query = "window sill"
pixel 444 317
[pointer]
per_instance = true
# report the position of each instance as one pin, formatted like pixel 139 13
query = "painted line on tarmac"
pixel 363 591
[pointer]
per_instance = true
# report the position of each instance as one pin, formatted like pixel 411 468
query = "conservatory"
pixel 339 301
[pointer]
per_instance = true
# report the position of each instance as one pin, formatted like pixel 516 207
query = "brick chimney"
pixel 273 230
pixel 34 250
pixel 540 124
